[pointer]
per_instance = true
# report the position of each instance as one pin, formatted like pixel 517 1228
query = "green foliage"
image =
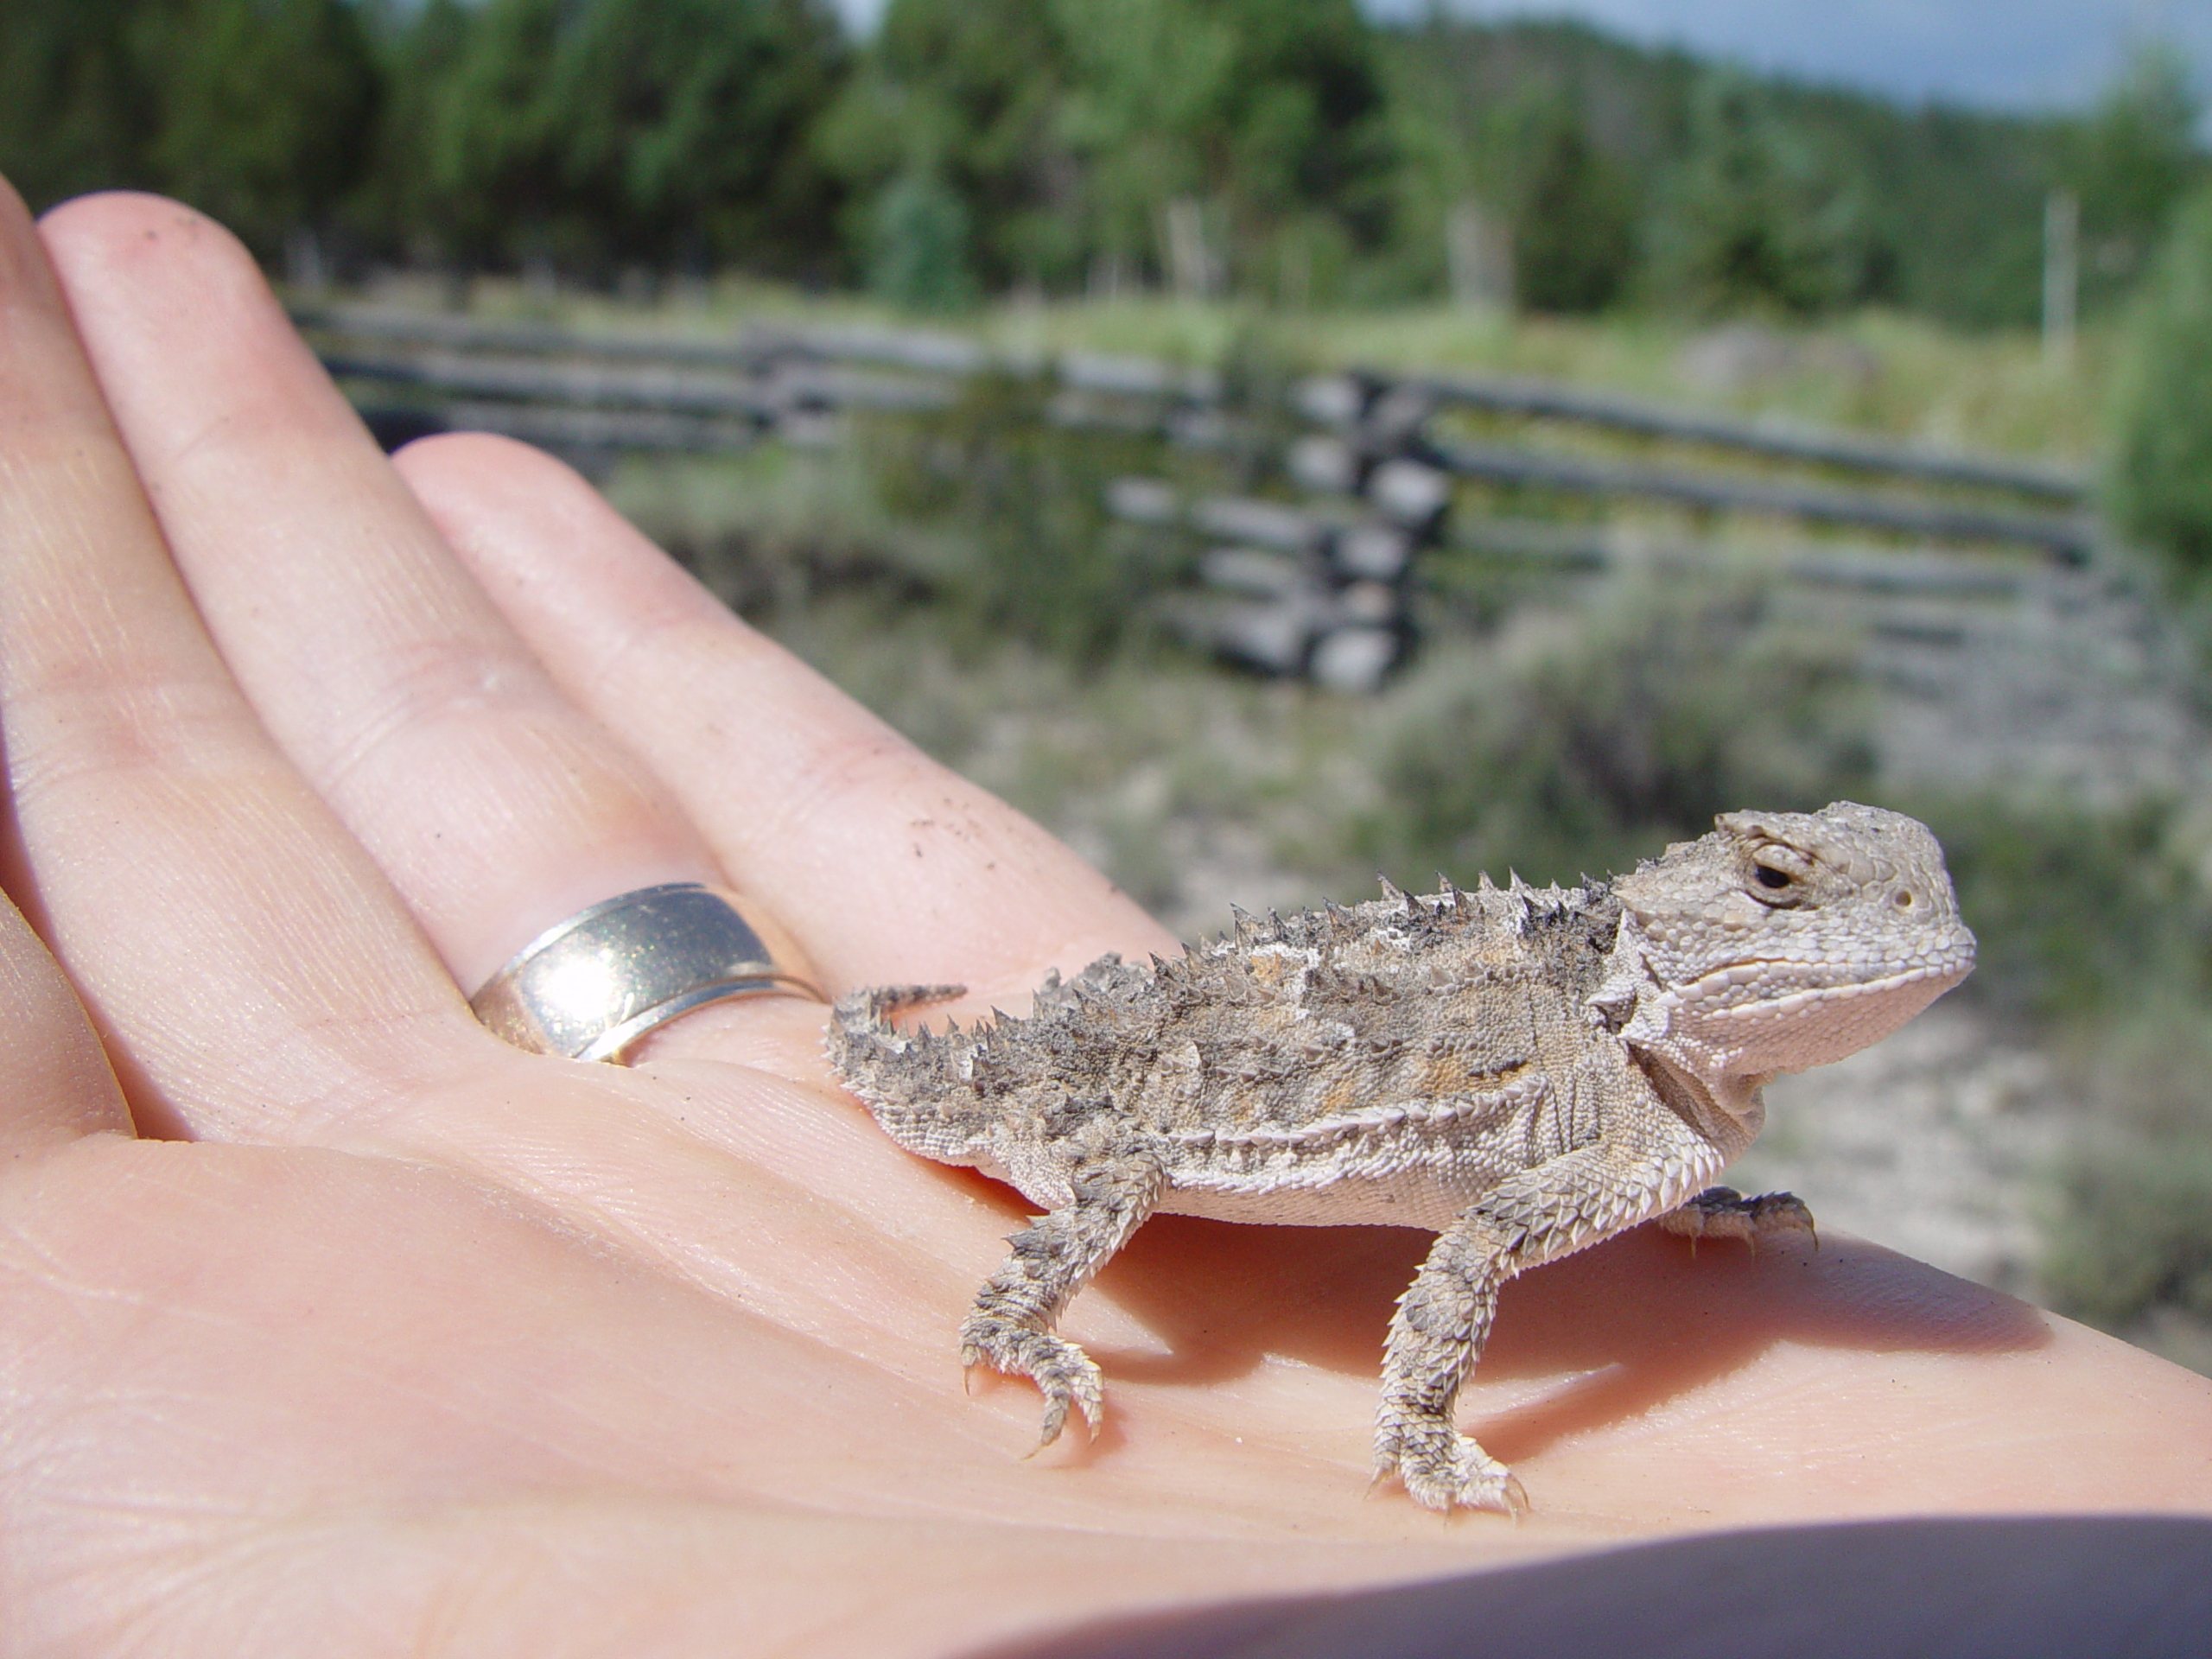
pixel 2133 1226
pixel 919 257
pixel 74 111
pixel 2078 911
pixel 1591 749
pixel 2158 475
pixel 398 211
pixel 253 110
pixel 263 107
pixel 1022 496
pixel 1067 127
pixel 1268 108
pixel 2132 163
pixel 969 93
pixel 1325 153
pixel 1956 200
pixel 1552 127
pixel 1760 217
pixel 1297 122
pixel 1941 208
pixel 600 132
pixel 1574 241
pixel 1147 77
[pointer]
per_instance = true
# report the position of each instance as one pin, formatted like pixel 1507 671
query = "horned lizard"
pixel 1523 1071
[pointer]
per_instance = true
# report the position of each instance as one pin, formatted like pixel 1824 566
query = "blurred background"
pixel 1277 440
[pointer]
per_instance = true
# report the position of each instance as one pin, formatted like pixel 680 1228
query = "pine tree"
pixel 608 132
pixel 264 109
pixel 2158 481
pixel 76 113
pixel 1574 236
pixel 917 259
pixel 1758 217
pixel 2132 161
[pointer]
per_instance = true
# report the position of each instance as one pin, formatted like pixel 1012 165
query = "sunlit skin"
pixel 386 1338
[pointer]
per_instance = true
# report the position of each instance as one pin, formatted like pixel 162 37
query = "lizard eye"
pixel 1770 877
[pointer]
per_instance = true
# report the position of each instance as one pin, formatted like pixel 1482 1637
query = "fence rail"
pixel 1846 451
pixel 766 347
pixel 2067 535
pixel 1316 586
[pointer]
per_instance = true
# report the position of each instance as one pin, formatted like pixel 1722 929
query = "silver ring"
pixel 589 987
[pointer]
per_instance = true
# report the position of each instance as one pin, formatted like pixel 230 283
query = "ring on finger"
pixel 590 987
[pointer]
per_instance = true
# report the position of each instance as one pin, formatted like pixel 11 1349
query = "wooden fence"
pixel 1315 585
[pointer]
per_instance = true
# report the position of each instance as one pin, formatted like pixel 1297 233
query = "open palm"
pixel 328 1323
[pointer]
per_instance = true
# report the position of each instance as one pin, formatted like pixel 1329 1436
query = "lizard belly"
pixel 1426 1189
pixel 1428 1198
pixel 1407 1163
pixel 1395 1179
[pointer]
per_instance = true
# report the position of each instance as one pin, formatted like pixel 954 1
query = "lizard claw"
pixel 1061 1393
pixel 1448 1470
pixel 1723 1213
pixel 1064 1374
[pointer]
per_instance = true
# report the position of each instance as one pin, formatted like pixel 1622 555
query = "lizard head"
pixel 1785 940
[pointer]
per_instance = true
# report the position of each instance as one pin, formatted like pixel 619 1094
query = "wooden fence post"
pixel 2062 275
pixel 1479 254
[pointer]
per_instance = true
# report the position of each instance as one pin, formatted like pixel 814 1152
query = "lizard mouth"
pixel 1777 985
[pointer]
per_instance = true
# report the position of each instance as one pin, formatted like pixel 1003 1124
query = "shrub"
pixel 2094 935
pixel 2158 481
pixel 2134 1227
pixel 1023 496
pixel 2081 914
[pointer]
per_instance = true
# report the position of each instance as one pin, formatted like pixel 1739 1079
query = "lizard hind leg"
pixel 1009 1328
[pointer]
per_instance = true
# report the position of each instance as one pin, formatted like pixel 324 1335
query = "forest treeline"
pixel 1291 151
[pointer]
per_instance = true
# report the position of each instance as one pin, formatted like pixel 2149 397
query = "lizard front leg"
pixel 1442 1322
pixel 1010 1326
pixel 1723 1213
pixel 1444 1318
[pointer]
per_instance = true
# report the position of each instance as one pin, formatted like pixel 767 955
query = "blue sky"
pixel 1997 54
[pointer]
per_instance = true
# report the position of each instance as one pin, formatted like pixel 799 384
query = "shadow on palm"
pixel 1614 1331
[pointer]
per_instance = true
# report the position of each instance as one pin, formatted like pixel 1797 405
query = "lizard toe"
pixel 1448 1470
pixel 1064 1374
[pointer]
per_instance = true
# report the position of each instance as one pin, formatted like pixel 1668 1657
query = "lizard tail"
pixel 861 1039
pixel 899 1076
pixel 866 1016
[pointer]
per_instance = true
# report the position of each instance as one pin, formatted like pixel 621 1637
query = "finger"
pixel 252 973
pixel 373 657
pixel 888 865
pixel 58 1084
pixel 233 944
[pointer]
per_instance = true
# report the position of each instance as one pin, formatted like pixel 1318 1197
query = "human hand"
pixel 329 1322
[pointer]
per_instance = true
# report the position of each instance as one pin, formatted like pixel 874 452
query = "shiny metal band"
pixel 590 987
